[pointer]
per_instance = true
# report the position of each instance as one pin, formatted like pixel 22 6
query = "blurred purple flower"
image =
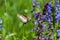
pixel 48 18
pixel 49 9
pixel 36 16
pixel 34 2
pixel 39 20
pixel 50 4
pixel 40 31
pixel 0 21
pixel 58 31
pixel 57 16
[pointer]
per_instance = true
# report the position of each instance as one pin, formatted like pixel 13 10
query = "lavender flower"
pixel 57 7
pixel 49 10
pixel 48 18
pixel 57 15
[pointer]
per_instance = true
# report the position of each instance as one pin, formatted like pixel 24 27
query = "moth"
pixel 23 18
